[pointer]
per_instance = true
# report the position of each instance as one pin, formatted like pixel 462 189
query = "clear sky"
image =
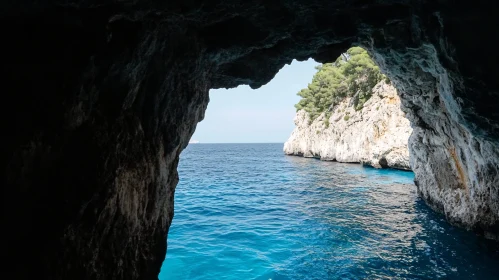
pixel 264 115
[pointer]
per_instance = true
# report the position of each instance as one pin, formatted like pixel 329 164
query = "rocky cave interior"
pixel 101 97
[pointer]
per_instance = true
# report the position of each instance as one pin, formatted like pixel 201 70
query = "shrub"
pixel 326 123
pixel 353 74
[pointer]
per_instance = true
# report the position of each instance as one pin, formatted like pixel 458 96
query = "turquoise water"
pixel 246 211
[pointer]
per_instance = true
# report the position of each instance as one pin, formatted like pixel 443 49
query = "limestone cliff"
pixel 376 135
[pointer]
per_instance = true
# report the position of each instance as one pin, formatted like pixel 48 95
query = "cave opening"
pixel 241 209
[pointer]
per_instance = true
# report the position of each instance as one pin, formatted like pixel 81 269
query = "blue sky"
pixel 264 115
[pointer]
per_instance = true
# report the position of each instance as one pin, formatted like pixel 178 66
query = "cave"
pixel 101 98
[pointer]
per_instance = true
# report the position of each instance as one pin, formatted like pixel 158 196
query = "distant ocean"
pixel 247 211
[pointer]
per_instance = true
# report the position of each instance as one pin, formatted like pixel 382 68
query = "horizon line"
pixel 238 143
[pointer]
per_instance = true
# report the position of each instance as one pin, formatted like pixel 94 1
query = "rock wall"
pixel 99 99
pixel 377 135
pixel 98 108
pixel 455 157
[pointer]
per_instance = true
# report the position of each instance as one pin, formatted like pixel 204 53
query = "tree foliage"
pixel 353 74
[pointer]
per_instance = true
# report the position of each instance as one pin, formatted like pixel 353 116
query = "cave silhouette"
pixel 101 98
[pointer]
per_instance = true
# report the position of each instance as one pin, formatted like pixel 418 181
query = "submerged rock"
pixel 376 135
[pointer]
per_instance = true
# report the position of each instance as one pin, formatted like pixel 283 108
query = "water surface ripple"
pixel 246 211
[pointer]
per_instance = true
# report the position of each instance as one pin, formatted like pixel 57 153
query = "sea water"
pixel 247 211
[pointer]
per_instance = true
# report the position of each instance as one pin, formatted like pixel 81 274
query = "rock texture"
pixel 100 97
pixel 377 135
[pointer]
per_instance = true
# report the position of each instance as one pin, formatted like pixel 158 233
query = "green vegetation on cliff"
pixel 353 74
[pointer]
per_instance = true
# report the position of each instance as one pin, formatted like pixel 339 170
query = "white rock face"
pixel 377 135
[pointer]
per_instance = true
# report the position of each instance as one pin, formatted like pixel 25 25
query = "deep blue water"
pixel 246 211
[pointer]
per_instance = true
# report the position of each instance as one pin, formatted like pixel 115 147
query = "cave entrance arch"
pixel 226 223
